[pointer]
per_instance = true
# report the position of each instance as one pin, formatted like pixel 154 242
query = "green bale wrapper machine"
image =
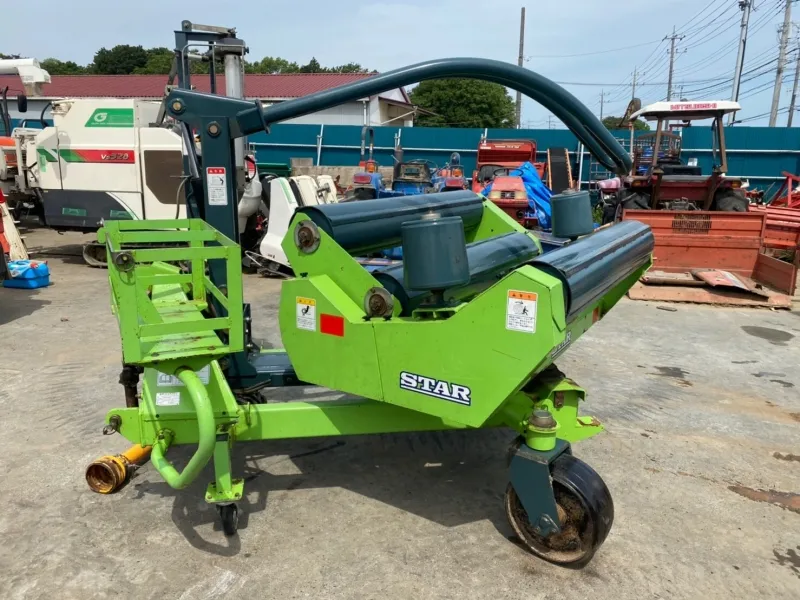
pixel 463 335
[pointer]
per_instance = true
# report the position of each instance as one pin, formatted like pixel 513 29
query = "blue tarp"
pixel 538 193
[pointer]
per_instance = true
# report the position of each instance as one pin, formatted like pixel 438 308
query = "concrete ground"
pixel 701 455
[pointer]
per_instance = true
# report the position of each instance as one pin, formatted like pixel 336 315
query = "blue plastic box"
pixel 27 274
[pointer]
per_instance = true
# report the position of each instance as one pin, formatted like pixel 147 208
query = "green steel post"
pixel 224 488
pixel 206 430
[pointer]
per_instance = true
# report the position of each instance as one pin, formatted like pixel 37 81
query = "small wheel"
pixel 229 515
pixel 585 509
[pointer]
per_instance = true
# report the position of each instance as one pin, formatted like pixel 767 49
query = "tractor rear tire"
pixel 731 201
pixel 636 201
pixel 609 213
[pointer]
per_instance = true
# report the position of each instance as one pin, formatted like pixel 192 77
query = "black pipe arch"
pixel 579 119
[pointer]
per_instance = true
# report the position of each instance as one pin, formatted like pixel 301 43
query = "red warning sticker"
pixel 331 324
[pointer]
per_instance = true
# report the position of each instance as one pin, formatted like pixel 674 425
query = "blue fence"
pixel 340 144
pixel 759 153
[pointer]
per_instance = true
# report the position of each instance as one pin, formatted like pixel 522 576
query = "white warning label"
pixel 168 398
pixel 217 185
pixel 170 380
pixel 306 314
pixel 521 311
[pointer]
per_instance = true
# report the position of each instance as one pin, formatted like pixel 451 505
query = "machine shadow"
pixel 451 478
pixel 69 253
pixel 17 303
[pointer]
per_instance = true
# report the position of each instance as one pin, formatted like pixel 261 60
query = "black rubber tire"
pixel 364 193
pixel 609 214
pixel 731 201
pixel 585 507
pixel 635 200
pixel 229 516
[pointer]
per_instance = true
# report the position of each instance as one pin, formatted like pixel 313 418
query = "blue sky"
pixel 385 35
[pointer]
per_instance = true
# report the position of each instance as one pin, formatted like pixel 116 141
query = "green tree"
pixel 159 60
pixel 272 64
pixel 119 60
pixel 463 103
pixel 62 67
pixel 9 56
pixel 350 68
pixel 125 60
pixel 313 66
pixel 615 123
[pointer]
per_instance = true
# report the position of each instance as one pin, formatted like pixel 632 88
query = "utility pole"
pixel 633 87
pixel 794 89
pixel 519 61
pixel 603 95
pixel 549 121
pixel 744 6
pixel 776 92
pixel 672 39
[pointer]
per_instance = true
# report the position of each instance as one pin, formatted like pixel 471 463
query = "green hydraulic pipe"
pixel 207 434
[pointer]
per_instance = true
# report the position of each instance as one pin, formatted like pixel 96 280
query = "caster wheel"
pixel 585 509
pixel 229 515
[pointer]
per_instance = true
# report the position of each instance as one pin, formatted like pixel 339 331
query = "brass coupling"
pixel 109 473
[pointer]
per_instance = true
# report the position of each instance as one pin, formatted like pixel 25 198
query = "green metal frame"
pixel 159 308
pixel 187 400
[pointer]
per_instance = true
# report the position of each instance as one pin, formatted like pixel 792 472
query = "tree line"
pixel 445 102
pixel 125 59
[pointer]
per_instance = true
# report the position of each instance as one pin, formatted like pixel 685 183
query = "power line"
pixel 721 27
pixel 654 63
pixel 698 15
pixel 638 85
pixel 717 15
pixel 610 50
pixel 644 62
pixel 757 71
pixel 721 52
pixel 755 91
pixel 761 116
pixel 621 89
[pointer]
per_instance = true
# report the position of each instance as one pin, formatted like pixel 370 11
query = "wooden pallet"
pixel 18 251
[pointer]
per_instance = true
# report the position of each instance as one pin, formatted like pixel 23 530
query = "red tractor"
pixel 496 159
pixel 660 179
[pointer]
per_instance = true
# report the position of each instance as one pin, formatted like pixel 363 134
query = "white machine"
pixel 33 77
pixel 104 159
pixel 286 195
pixel 101 159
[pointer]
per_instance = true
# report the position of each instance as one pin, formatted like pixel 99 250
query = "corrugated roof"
pixel 292 85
